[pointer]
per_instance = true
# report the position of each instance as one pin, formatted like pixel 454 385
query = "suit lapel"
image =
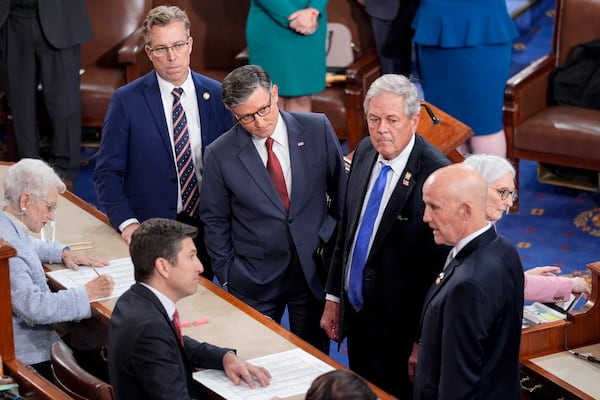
pixel 445 276
pixel 297 160
pixel 405 186
pixel 152 94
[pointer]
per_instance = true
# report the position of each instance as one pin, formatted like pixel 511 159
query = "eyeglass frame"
pixel 262 112
pixel 51 206
pixel 505 192
pixel 175 48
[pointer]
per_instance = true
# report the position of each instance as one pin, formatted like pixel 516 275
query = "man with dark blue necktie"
pixel 385 258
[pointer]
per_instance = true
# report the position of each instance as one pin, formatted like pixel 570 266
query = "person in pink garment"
pixel 541 283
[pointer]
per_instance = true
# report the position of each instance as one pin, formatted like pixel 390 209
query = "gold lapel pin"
pixel 439 278
pixel 206 96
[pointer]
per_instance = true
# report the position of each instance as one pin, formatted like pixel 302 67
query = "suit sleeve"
pixel 547 288
pixel 215 212
pixel 111 165
pixel 468 317
pixel 156 358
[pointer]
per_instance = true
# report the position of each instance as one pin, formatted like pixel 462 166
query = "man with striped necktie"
pixel 155 132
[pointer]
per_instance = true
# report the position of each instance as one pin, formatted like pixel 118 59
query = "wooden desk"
pixel 231 323
pixel 547 370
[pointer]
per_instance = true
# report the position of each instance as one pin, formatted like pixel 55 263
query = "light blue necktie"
pixel 363 237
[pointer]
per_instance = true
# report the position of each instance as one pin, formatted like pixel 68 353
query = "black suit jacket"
pixel 403 260
pixel 64 23
pixel 471 325
pixel 145 358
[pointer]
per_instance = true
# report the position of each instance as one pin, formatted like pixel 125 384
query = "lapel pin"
pixel 300 144
pixel 439 278
pixel 206 96
pixel 406 179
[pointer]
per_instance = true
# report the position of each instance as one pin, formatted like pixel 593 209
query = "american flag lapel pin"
pixel 300 144
pixel 406 180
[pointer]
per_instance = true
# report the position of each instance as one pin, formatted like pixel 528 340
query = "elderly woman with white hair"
pixel 31 190
pixel 541 283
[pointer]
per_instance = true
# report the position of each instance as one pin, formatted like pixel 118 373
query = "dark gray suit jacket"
pixel 248 232
pixel 471 325
pixel 145 358
pixel 64 23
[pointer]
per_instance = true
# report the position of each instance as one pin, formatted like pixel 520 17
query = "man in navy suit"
pixel 402 258
pixel 264 234
pixel 136 173
pixel 471 321
pixel 148 357
pixel 40 44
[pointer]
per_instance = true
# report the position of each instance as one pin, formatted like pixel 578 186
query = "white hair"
pixel 30 176
pixel 490 167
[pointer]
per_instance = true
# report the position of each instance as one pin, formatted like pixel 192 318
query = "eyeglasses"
pixel 162 51
pixel 504 193
pixel 263 112
pixel 51 206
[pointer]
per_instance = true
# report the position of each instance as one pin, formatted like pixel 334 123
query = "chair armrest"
pixel 361 73
pixel 133 56
pixel 359 77
pixel 526 92
pixel 31 384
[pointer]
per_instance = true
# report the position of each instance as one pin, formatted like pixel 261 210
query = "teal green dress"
pixel 295 62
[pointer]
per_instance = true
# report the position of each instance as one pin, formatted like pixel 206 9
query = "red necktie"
pixel 274 169
pixel 177 323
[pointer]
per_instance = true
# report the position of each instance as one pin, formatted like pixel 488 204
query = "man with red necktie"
pixel 271 197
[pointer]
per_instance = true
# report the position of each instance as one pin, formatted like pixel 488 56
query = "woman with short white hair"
pixel 31 190
pixel 541 283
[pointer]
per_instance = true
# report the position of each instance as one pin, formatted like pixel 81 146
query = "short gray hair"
pixel 240 83
pixel 164 15
pixel 30 176
pixel 399 85
pixel 491 167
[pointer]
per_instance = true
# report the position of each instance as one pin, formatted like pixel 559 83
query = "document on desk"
pixel 120 269
pixel 292 372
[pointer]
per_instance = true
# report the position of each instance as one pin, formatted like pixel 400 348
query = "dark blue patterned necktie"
pixel 363 237
pixel 187 176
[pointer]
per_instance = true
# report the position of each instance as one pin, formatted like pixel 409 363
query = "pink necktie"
pixel 274 169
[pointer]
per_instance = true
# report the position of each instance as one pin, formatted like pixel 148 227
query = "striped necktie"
pixel 190 196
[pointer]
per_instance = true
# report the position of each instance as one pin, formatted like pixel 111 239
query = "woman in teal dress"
pixel 287 39
pixel 464 57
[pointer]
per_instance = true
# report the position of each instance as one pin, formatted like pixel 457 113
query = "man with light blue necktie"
pixel 385 258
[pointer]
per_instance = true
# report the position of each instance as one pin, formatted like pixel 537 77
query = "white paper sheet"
pixel 292 372
pixel 120 269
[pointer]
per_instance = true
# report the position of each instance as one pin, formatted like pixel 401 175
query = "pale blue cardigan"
pixel 35 307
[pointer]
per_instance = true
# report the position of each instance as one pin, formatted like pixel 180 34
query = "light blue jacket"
pixel 35 307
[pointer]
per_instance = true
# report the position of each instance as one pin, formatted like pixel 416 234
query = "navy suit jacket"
pixel 135 172
pixel 471 325
pixel 145 357
pixel 248 232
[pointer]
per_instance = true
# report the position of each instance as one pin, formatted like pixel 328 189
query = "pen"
pixel 585 356
pixel 95 270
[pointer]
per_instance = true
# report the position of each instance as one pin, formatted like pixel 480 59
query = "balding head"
pixel 455 200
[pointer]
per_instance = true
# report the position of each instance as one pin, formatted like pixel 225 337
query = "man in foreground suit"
pixel 40 44
pixel 137 174
pixel 148 358
pixel 471 322
pixel 381 271
pixel 262 230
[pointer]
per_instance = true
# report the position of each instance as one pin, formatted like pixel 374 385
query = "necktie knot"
pixel 269 144
pixel 177 92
